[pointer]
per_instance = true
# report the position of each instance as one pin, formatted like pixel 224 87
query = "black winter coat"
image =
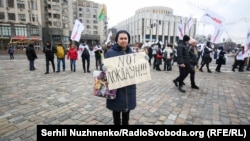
pixel 31 53
pixel 183 56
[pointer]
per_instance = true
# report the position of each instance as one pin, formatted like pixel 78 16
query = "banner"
pixel 212 18
pixel 77 31
pixel 127 69
pixel 189 24
pixel 217 33
pixel 180 29
pixel 247 44
pixel 108 38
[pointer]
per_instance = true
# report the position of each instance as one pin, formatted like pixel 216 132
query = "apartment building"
pixel 20 23
pixel 38 21
pixel 155 23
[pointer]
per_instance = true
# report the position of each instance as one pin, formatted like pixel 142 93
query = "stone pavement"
pixel 28 98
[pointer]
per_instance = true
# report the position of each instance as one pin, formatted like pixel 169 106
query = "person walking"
pixel 183 60
pixel 72 55
pixel 49 51
pixel 60 54
pixel 31 56
pixel 85 57
pixel 193 62
pixel 11 52
pixel 98 56
pixel 125 100
pixel 206 57
pixel 220 59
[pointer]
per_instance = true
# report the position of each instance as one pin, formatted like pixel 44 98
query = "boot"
pixel 181 89
pixel 194 86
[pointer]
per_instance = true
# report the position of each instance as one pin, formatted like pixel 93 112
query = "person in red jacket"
pixel 158 60
pixel 73 56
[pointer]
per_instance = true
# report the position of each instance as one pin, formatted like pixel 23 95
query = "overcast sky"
pixel 235 12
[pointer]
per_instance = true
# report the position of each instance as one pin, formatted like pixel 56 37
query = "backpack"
pixel 60 52
pixel 85 52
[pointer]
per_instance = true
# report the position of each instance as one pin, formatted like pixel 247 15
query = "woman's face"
pixel 122 40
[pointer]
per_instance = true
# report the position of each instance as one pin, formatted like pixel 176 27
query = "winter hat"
pixel 122 31
pixel 186 38
pixel 31 45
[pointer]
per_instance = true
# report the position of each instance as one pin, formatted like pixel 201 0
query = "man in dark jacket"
pixel 49 51
pixel 126 96
pixel 31 55
pixel 183 60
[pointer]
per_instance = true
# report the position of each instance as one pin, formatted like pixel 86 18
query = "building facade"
pixel 39 21
pixel 156 23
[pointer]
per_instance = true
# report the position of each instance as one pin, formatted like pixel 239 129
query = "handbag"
pixel 101 86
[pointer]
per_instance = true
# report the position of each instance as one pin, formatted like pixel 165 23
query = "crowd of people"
pixel 186 55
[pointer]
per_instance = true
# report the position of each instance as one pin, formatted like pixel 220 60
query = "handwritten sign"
pixel 127 69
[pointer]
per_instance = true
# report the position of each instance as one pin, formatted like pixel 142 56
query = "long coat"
pixel 31 53
pixel 125 96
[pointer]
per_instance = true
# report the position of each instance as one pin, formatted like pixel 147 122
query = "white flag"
pixel 217 33
pixel 247 44
pixel 77 31
pixel 212 18
pixel 108 38
pixel 189 24
pixel 180 29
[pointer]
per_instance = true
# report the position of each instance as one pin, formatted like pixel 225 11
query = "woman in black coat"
pixel 31 55
pixel 220 60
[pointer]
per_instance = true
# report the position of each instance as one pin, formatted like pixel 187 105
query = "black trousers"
pixel 121 121
pixel 85 58
pixel 183 73
pixel 50 59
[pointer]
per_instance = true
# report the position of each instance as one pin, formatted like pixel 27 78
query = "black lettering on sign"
pixel 128 59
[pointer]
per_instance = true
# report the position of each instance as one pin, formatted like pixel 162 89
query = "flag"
pixel 108 38
pixel 217 33
pixel 189 24
pixel 212 18
pixel 247 44
pixel 102 14
pixel 77 30
pixel 180 30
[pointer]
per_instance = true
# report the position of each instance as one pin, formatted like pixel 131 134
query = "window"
pixel 20 31
pixel 32 5
pixel 95 27
pixel 10 3
pixel 66 18
pixel 95 32
pixel 5 30
pixel 55 7
pixel 34 30
pixel 21 17
pixel 1 3
pixel 95 21
pixel 55 0
pixel 20 4
pixel 2 17
pixel 65 25
pixel 11 16
pixel 33 18
pixel 56 16
pixel 57 24
pixel 56 38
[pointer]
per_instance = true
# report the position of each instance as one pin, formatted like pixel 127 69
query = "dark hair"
pixel 122 31
pixel 31 45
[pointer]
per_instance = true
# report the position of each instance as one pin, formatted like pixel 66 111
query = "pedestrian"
pixel 193 62
pixel 49 51
pixel 85 57
pixel 31 55
pixel 98 56
pixel 220 59
pixel 206 57
pixel 183 60
pixel 60 55
pixel 125 100
pixel 240 60
pixel 72 55
pixel 11 52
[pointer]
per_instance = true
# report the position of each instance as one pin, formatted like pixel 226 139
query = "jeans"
pixel 73 65
pixel 59 64
pixel 32 67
